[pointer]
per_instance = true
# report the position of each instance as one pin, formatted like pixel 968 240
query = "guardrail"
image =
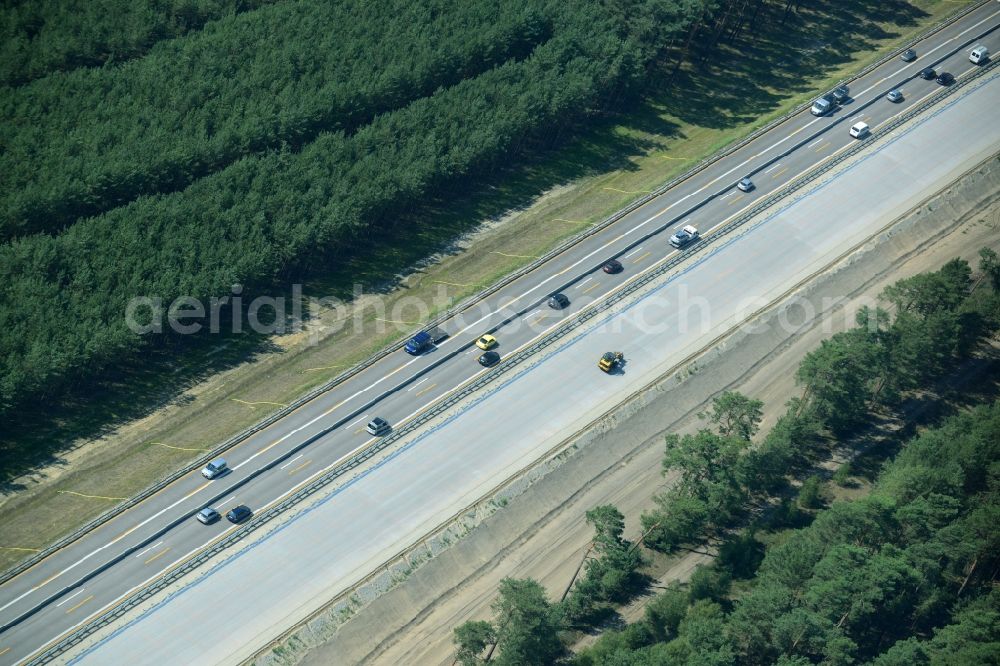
pixel 261 519
pixel 451 312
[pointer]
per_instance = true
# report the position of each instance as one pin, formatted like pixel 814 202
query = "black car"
pixel 909 55
pixel 239 513
pixel 945 79
pixel 558 301
pixel 613 266
pixel 928 73
pixel 489 359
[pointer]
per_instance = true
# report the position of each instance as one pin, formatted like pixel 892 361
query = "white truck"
pixel 684 237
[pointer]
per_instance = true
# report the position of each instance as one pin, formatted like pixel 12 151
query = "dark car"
pixel 928 73
pixel 378 426
pixel 239 513
pixel 489 359
pixel 841 94
pixel 558 301
pixel 909 55
pixel 945 79
pixel 613 266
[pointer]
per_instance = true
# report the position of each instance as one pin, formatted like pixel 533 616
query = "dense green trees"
pixel 284 211
pixel 38 37
pixel 525 628
pixel 905 575
pixel 79 143
pixel 63 298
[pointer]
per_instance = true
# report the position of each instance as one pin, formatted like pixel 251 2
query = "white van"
pixel 859 130
pixel 979 55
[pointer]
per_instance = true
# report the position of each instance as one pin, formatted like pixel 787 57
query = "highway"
pixel 235 609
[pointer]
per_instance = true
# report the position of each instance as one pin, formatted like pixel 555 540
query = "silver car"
pixel 215 468
pixel 895 96
pixel 745 184
pixel 208 515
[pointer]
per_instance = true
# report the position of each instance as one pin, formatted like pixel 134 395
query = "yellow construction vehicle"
pixel 610 361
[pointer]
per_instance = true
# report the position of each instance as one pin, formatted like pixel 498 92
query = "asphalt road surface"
pixel 249 597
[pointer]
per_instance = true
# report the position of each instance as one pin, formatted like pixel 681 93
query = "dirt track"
pixel 542 533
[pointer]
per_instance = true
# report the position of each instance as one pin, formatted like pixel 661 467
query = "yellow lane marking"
pixel 176 448
pixel 133 529
pixel 615 189
pixel 424 390
pixel 158 555
pixel 359 430
pixel 326 367
pixel 394 372
pixel 592 287
pixel 779 173
pixel 27 550
pixel 798 130
pixel 70 610
pixel 70 492
pixel 735 200
pixel 5 650
pixel 330 411
pixel 516 256
pixel 641 257
pixel 260 402
pixel 822 147
pixel 47 581
pixel 299 467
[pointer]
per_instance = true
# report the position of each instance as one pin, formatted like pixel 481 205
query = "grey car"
pixel 378 426
pixel 909 55
pixel 208 515
pixel 745 184
pixel 558 301
pixel 895 96
pixel 214 469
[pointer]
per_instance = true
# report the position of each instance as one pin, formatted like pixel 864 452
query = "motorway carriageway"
pixel 60 593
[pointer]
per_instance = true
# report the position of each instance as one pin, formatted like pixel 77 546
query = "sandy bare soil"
pixel 542 533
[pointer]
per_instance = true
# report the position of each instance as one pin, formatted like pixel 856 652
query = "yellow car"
pixel 486 342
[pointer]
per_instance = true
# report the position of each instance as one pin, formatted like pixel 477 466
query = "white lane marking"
pixel 728 195
pixel 971 27
pixel 411 388
pixel 775 144
pixel 300 428
pixel 632 252
pixel 809 146
pixel 72 595
pixel 155 545
pixel 297 457
pixel 225 502
pixel 86 557
pixel 385 377
pixel 584 282
pixel 778 164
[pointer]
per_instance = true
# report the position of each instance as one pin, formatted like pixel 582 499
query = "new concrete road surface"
pixel 229 613
pixel 258 591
